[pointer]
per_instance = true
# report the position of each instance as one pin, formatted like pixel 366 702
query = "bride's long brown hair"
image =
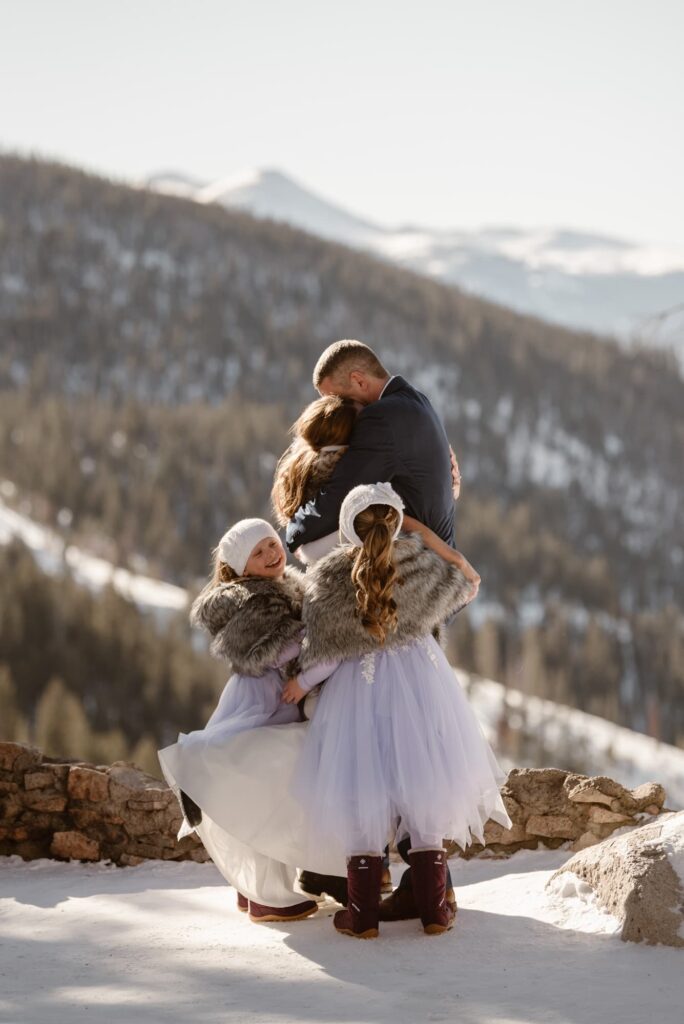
pixel 374 574
pixel 328 420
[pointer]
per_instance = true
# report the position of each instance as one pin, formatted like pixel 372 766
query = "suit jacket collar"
pixel 396 384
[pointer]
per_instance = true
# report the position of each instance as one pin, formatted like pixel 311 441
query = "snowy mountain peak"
pixel 579 279
pixel 269 193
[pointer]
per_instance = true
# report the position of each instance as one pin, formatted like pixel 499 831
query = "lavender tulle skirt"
pixel 395 749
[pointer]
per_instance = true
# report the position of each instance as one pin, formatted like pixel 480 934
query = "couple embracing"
pixel 343 727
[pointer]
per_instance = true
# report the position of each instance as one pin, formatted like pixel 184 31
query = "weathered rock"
pixel 633 878
pixel 551 826
pixel 17 757
pixel 39 780
pixel 495 833
pixel 87 784
pixel 128 860
pixel 130 783
pixel 650 793
pixel 603 816
pixel 585 840
pixel 591 795
pixel 42 800
pixel 108 812
pixel 74 846
pixel 157 804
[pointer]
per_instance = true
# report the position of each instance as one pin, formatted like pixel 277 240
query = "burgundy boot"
pixel 260 914
pixel 242 903
pixel 360 919
pixel 428 872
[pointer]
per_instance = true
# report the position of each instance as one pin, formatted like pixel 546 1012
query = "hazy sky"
pixel 442 112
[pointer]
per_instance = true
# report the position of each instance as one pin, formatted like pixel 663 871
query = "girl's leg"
pixel 428 861
pixel 364 878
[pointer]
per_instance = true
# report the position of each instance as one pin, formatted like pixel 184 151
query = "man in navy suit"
pixel 399 438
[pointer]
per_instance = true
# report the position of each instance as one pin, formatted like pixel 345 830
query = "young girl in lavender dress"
pixel 393 748
pixel 252 610
pixel 320 437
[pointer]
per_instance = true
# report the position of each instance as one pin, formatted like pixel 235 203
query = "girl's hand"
pixel 292 692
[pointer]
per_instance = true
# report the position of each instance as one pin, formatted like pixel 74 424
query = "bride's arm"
pixel 442 549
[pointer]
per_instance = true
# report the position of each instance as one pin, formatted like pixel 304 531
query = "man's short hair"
pixel 342 357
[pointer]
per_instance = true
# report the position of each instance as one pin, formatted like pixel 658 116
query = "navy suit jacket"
pixel 400 439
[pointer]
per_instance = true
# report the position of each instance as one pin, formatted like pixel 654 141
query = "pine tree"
pixel 13 725
pixel 61 726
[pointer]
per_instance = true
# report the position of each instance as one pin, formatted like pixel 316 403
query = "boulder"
pixel 638 877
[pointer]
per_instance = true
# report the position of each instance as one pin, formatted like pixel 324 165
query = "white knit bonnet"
pixel 362 497
pixel 237 544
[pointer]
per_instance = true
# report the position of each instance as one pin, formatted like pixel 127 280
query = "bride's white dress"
pixel 252 826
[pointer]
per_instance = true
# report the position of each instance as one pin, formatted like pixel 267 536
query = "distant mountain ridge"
pixel 578 279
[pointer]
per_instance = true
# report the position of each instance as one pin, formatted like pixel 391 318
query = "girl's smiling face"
pixel 267 559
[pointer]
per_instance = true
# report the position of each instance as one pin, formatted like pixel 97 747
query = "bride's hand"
pixel 292 692
pixel 455 475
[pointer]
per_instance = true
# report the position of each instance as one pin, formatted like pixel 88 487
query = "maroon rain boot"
pixel 242 903
pixel 428 872
pixel 360 919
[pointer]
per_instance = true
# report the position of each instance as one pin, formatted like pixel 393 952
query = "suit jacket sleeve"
pixel 369 459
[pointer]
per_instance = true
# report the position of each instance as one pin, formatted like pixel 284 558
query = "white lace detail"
pixel 368 668
pixel 425 642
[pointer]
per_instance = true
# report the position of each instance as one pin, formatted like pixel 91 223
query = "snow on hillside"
pixel 164 942
pixel 53 556
pixel 579 279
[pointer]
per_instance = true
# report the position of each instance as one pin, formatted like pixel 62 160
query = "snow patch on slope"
pixel 53 556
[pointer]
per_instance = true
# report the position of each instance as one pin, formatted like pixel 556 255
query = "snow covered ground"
pixel 164 943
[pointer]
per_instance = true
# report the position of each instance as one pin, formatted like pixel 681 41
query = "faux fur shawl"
pixel 251 620
pixel 430 591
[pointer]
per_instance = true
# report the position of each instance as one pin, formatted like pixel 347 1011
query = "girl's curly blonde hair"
pixel 327 421
pixel 374 574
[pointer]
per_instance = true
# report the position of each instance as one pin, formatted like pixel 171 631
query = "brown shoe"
pixel 428 874
pixel 386 881
pixel 360 919
pixel 261 914
pixel 401 905
pixel 242 903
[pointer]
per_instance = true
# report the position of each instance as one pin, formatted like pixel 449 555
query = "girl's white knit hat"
pixel 360 498
pixel 237 544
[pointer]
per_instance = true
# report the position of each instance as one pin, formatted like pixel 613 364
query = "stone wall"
pixel 68 809
pixel 550 807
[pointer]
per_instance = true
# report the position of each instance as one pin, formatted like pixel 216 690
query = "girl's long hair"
pixel 328 420
pixel 374 574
